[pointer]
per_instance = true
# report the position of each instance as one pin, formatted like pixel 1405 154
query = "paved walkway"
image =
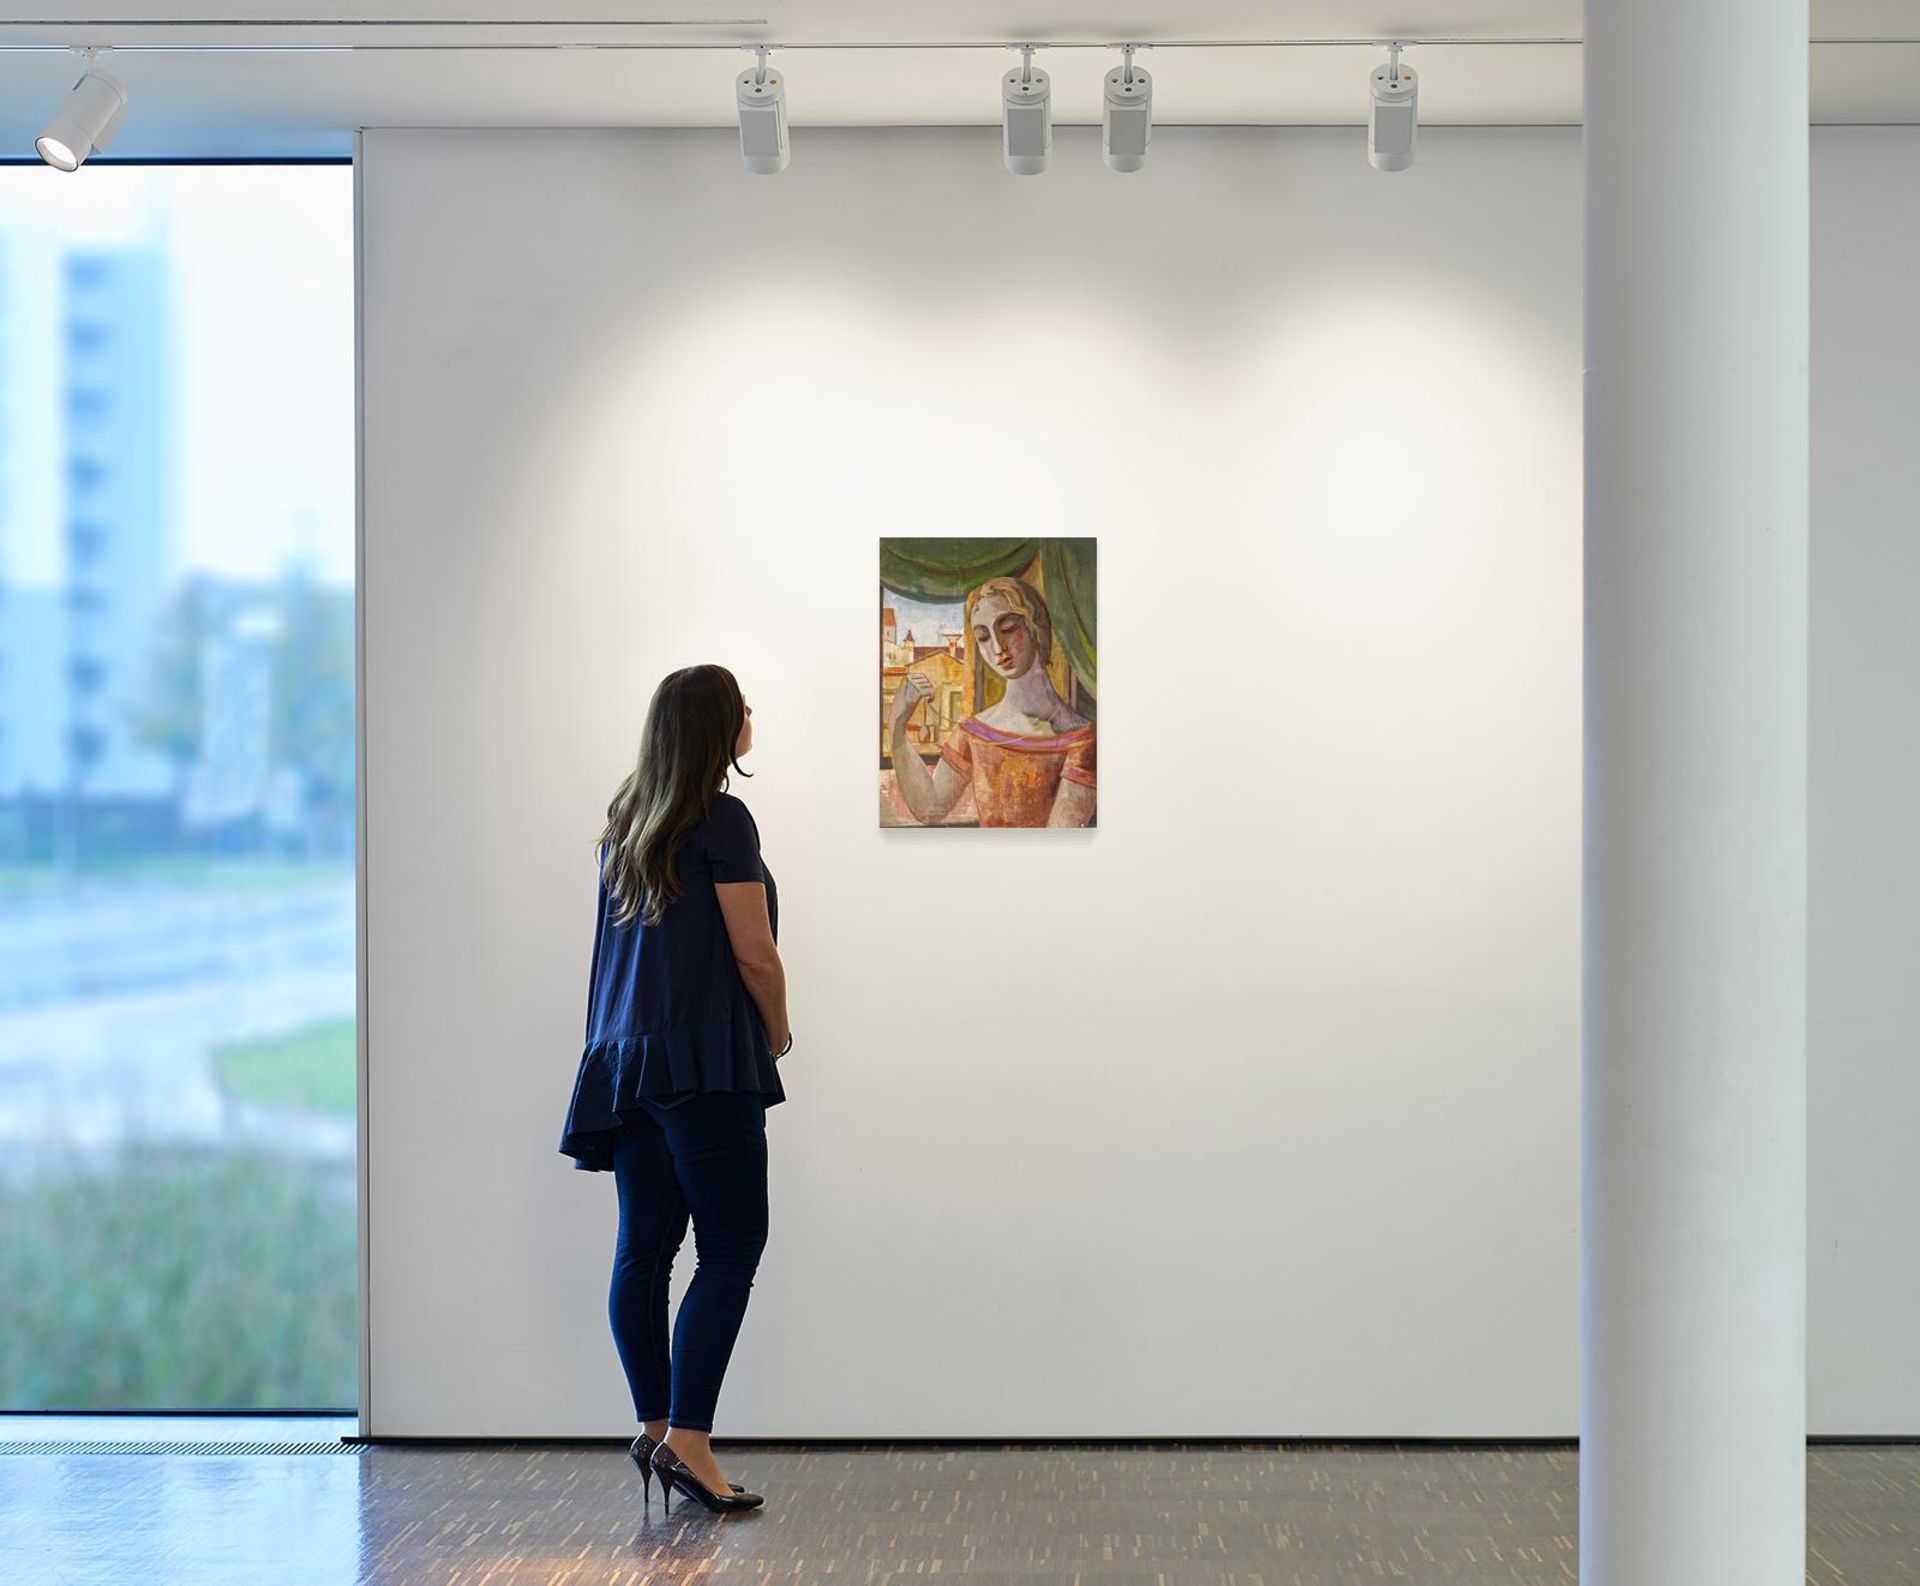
pixel 110 1010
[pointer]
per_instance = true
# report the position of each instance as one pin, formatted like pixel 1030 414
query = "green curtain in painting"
pixel 940 570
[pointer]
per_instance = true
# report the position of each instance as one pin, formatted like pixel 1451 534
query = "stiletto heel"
pixel 673 1473
pixel 640 1451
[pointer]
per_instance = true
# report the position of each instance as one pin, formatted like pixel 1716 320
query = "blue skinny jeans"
pixel 706 1158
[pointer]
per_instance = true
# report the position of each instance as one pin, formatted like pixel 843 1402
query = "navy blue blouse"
pixel 668 1015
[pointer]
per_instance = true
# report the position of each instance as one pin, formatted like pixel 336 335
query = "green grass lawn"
pixel 315 1068
pixel 180 1280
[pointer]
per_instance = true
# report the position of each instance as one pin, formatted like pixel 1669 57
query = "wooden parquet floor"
pixel 1104 1515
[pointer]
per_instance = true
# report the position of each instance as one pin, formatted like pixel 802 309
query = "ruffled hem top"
pixel 668 1015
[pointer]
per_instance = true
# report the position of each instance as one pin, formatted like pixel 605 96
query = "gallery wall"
pixel 1253 1112
pixel 1863 1091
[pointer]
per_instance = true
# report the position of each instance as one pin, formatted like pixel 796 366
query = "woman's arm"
pixel 743 905
pixel 1072 804
pixel 928 795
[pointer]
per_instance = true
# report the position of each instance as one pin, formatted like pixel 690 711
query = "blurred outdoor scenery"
pixel 177 782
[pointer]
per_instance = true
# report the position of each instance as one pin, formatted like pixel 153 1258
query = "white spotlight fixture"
pixel 1395 91
pixel 95 106
pixel 1026 116
pixel 762 101
pixel 1127 124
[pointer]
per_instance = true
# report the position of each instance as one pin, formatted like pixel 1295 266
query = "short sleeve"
pixel 958 752
pixel 731 843
pixel 1079 766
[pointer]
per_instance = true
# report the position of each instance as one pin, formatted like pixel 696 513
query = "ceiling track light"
pixel 1395 92
pixel 761 98
pixel 86 122
pixel 1126 124
pixel 1026 116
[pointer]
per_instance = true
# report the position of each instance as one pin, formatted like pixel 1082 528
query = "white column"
pixel 1693 1414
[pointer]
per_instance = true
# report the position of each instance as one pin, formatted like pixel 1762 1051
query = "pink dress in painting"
pixel 1015 778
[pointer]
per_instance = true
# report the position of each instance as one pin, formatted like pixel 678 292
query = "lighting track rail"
pixel 357 25
pixel 96 105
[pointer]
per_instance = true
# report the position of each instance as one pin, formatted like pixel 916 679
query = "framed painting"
pixel 988 682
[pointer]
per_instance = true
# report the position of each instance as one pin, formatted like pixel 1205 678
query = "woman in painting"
pixel 1029 758
pixel 686 1017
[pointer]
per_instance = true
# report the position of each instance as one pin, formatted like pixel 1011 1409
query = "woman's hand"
pixel 781 1047
pixel 914 688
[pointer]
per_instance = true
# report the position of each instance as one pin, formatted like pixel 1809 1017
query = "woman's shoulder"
pixel 729 809
pixel 728 823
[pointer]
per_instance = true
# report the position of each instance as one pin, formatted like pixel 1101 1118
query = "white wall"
pixel 1271 1130
pixel 1863 1091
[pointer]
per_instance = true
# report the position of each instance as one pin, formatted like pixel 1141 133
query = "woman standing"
pixel 686 1018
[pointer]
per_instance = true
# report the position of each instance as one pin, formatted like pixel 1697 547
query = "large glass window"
pixel 177 1181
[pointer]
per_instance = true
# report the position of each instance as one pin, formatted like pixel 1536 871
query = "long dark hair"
pixel 686 748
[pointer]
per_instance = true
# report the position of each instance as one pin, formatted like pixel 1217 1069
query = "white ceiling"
pixel 1486 62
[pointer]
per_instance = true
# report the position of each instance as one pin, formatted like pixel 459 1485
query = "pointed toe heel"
pixel 640 1451
pixel 673 1474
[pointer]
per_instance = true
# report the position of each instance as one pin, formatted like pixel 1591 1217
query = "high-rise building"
pixel 33 640
pixel 85 529
pixel 117 511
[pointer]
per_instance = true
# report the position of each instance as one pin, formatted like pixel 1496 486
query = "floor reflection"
pixel 1103 1515
pixel 294 1520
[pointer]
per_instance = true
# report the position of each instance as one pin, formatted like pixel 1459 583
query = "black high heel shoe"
pixel 672 1473
pixel 640 1452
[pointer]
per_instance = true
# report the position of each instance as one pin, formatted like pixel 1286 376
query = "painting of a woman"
pixel 1029 757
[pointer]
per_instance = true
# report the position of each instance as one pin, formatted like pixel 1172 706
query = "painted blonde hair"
pixel 1023 599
